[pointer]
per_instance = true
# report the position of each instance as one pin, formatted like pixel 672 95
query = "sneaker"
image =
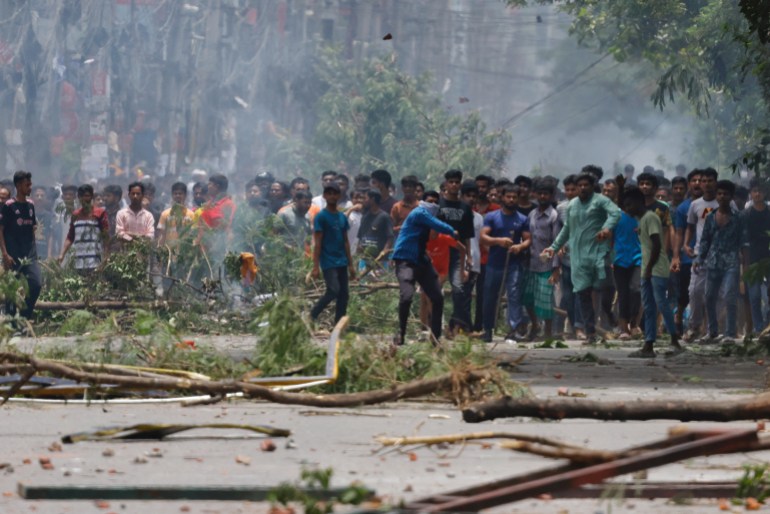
pixel 510 337
pixel 709 339
pixel 691 336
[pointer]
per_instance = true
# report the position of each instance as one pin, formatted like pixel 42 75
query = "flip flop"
pixel 640 354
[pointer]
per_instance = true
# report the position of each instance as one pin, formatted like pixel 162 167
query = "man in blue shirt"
pixel 331 253
pixel 506 233
pixel 414 267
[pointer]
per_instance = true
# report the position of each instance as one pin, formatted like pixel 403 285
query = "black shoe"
pixel 511 337
pixel 487 337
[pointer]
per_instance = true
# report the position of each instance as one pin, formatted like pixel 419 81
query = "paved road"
pixel 344 439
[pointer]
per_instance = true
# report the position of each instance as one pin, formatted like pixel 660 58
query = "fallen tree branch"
pixel 756 407
pixel 101 304
pixel 455 383
pixel 573 454
pixel 461 438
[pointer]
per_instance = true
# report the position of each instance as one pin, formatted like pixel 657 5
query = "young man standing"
pixel 460 217
pixel 469 194
pixel 588 228
pixel 525 205
pixel 696 220
pixel 331 254
pixel 176 219
pixel 757 223
pixel 483 205
pixel 506 233
pixel 403 207
pixel 681 262
pixel 721 243
pixel 544 226
pixel 17 240
pixel 327 177
pixel 648 185
pixel 135 221
pixel 294 223
pixel 375 235
pixel 88 234
pixel 414 267
pixel 569 300
pixel 381 181
pixel 655 273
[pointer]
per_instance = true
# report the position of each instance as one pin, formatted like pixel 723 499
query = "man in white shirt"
pixel 135 221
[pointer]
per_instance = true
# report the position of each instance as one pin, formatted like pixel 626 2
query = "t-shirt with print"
pixel 650 225
pixel 457 215
pixel 663 211
pixel 696 215
pixel 334 226
pixel 374 232
pixel 18 221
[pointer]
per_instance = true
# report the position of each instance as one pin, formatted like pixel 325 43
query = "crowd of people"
pixel 586 256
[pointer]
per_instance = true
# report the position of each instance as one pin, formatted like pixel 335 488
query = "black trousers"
pixel 587 310
pixel 409 274
pixel 336 290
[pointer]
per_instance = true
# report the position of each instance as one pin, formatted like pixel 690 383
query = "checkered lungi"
pixel 538 294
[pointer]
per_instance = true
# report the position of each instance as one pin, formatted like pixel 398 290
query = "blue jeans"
pixel 758 318
pixel 714 280
pixel 493 282
pixel 654 299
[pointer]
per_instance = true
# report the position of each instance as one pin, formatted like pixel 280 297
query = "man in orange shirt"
pixel 402 208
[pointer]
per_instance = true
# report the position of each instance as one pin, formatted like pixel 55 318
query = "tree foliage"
pixel 373 115
pixel 712 53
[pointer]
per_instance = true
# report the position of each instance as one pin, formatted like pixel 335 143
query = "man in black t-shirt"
pixel 375 235
pixel 459 216
pixel 17 240
pixel 757 223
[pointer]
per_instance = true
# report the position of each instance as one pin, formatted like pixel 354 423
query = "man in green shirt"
pixel 588 223
pixel 655 272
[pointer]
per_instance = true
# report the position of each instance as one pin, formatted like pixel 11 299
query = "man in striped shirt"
pixel 88 232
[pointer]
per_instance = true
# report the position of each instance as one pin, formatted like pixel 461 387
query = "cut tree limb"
pixel 100 304
pixel 755 407
pixel 461 438
pixel 457 384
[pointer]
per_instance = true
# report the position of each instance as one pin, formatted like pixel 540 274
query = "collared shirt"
pixel 544 226
pixel 295 228
pixel 219 214
pixel 130 224
pixel 413 236
pixel 582 222
pixel 720 247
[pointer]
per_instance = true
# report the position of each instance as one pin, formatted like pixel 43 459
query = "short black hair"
pixel 741 192
pixel 694 173
pixel 328 173
pixel 201 185
pixel 508 188
pixel 132 185
pixel 375 195
pixel 179 186
pixel 594 170
pixel 149 188
pixel 634 194
pixel 486 178
pixel 453 175
pixel 709 172
pixel 523 180
pixel 678 180
pixel 545 186
pixel 410 180
pixel 298 180
pixel 85 188
pixel 344 178
pixel 569 180
pixel 66 187
pixel 647 177
pixel 20 176
pixel 469 186
pixel 726 185
pixel 382 176
pixel 220 181
pixel 586 176
pixel 114 190
pixel 431 194
pixel 628 168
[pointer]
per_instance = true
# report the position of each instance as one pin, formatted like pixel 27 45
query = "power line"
pixel 553 93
